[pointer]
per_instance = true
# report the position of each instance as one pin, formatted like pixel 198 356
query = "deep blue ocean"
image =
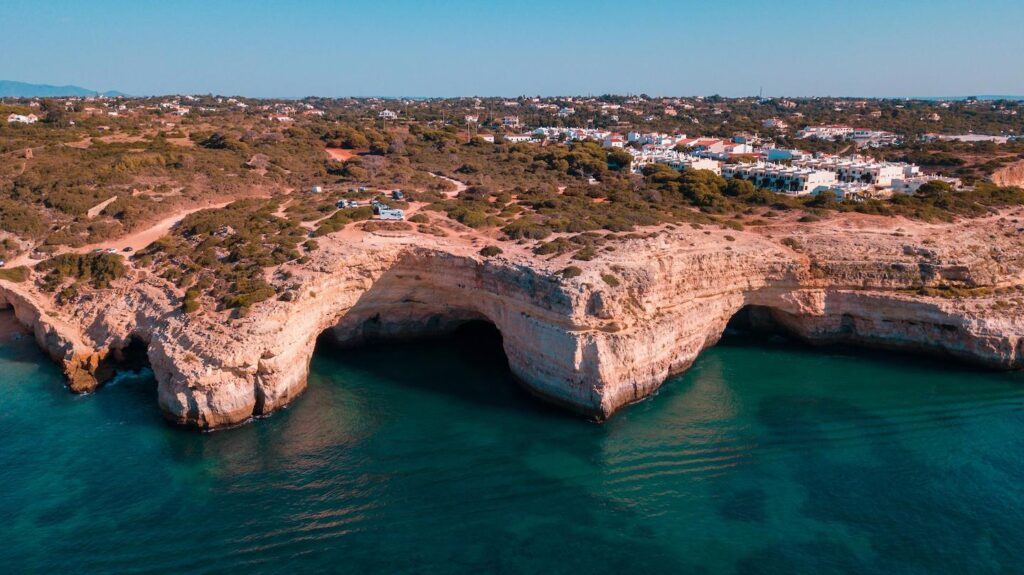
pixel 765 457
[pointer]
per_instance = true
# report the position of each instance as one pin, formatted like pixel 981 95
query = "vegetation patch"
pixel 17 275
pixel 98 269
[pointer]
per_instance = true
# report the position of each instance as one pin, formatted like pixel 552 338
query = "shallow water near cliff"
pixel 765 457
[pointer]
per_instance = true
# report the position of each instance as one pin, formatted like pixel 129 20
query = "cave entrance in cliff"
pixel 462 362
pixel 132 357
pixel 754 321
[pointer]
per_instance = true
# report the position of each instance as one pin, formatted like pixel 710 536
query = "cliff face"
pixel 593 343
pixel 1011 175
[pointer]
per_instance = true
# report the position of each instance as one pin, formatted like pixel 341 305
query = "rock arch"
pixel 405 294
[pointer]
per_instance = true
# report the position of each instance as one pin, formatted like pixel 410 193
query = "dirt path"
pixel 459 186
pixel 137 240
pixel 340 154
pixel 95 210
pixel 143 238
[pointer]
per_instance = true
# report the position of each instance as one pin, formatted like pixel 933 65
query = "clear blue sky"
pixel 449 48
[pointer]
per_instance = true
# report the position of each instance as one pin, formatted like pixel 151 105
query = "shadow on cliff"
pixel 765 327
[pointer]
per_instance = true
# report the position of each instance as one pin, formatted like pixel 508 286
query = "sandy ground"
pixel 340 154
pixel 95 210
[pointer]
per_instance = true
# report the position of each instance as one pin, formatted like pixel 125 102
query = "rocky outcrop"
pixel 84 366
pixel 594 343
pixel 1010 175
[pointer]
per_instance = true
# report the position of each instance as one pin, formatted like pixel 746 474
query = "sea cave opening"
pixel 128 363
pixel 756 321
pixel 458 357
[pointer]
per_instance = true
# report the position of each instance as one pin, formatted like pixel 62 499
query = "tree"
pixel 55 113
pixel 824 199
pixel 736 187
pixel 216 141
pixel 934 189
pixel 619 160
pixel 702 187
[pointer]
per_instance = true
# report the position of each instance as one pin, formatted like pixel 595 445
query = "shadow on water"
pixel 754 327
pixel 479 374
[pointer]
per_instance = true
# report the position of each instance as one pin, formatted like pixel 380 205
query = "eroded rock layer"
pixel 594 342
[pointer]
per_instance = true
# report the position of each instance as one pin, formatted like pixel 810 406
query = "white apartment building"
pixel 673 159
pixel 789 180
pixel 387 115
pixel 910 184
pixel 849 191
pixel 856 170
pixel 614 141
pixel 510 121
pixel 830 132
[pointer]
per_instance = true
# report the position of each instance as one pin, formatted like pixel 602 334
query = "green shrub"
pixel 16 275
pixel 571 272
pixel 490 251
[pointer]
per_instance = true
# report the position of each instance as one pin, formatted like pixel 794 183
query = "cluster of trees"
pixel 98 270
pixel 221 253
pixel 356 138
pixel 708 191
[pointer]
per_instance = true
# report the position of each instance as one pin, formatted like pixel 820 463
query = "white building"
pixel 781 154
pixel 518 138
pixel 387 115
pixel 673 159
pixel 785 179
pixel 861 171
pixel 614 141
pixel 966 138
pixel 20 119
pixel 847 191
pixel 830 132
pixel 510 121
pixel 910 184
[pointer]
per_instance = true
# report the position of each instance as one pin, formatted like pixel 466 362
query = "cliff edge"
pixel 590 335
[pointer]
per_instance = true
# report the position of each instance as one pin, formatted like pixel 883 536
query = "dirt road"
pixel 137 240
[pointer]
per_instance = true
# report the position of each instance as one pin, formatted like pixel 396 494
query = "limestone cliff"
pixel 610 336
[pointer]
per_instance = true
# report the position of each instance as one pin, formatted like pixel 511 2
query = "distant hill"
pixel 12 89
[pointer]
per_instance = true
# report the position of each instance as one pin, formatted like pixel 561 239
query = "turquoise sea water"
pixel 764 458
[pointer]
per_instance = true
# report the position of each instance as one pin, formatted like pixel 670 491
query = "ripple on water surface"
pixel 763 458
